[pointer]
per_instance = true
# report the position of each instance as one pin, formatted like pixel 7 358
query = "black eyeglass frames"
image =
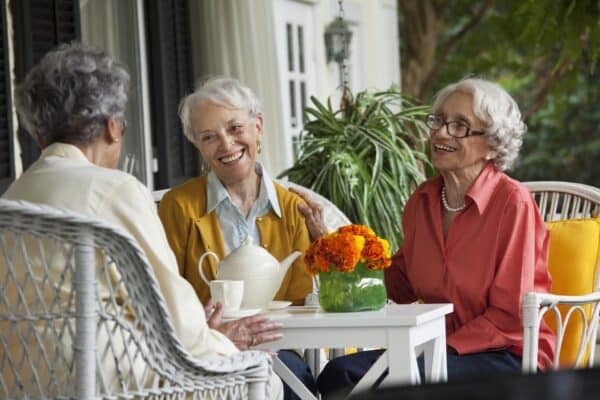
pixel 454 128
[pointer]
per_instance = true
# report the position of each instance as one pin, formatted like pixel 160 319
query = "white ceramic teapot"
pixel 261 272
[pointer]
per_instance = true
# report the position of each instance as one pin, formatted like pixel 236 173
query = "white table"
pixel 403 329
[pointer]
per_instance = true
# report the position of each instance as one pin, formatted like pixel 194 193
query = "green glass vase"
pixel 359 290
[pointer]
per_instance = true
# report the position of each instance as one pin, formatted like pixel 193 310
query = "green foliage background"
pixel 515 44
pixel 366 157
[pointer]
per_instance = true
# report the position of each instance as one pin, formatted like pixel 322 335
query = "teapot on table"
pixel 261 272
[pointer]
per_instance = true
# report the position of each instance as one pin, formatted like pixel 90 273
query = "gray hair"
pixel 496 109
pixel 70 93
pixel 226 92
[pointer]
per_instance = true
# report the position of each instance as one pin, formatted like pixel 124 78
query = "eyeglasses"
pixel 454 128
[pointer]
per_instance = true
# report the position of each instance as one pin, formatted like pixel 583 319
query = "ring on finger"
pixel 253 342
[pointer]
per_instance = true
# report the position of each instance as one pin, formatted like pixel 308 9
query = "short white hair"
pixel 226 92
pixel 498 111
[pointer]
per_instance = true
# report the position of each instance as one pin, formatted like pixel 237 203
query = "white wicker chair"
pixel 333 216
pixel 70 287
pixel 158 195
pixel 560 201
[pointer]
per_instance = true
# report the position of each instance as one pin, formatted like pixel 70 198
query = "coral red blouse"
pixel 495 251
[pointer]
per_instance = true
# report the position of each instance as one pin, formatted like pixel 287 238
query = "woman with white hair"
pixel 473 237
pixel 233 200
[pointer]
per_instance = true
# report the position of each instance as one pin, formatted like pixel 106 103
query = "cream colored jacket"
pixel 64 177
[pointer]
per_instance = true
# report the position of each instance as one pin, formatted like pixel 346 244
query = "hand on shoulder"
pixel 313 214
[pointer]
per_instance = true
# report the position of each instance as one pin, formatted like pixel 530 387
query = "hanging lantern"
pixel 337 41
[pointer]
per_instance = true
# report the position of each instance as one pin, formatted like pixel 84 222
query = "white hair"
pixel 497 110
pixel 226 92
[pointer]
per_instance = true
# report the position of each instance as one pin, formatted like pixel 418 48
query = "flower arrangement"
pixel 346 248
pixel 349 264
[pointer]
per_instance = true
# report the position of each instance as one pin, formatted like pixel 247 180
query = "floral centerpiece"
pixel 349 263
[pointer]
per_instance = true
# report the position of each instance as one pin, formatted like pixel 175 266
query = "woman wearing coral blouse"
pixel 473 237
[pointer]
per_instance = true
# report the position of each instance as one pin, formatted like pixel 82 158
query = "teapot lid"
pixel 249 257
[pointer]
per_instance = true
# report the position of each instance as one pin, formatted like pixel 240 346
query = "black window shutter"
pixel 40 25
pixel 169 51
pixel 7 173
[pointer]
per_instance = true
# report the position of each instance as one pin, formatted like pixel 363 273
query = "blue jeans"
pixel 342 373
pixel 302 371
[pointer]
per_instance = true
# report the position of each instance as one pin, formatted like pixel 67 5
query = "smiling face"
pixel 466 155
pixel 227 138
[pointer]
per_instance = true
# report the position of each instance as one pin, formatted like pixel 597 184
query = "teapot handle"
pixel 200 269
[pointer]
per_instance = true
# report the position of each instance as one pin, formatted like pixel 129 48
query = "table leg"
pixel 402 359
pixel 336 352
pixel 444 362
pixel 372 374
pixel 292 380
pixel 435 359
pixel 313 359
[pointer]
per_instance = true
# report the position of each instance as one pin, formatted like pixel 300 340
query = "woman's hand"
pixel 244 332
pixel 313 214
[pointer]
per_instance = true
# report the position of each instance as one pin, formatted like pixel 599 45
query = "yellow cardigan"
pixel 191 232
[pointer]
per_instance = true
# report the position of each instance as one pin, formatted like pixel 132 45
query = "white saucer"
pixel 241 313
pixel 278 305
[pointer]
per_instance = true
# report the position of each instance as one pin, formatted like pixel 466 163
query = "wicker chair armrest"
pixel 235 363
pixel 536 305
pixel 548 299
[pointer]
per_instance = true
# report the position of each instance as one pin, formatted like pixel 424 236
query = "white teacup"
pixel 227 292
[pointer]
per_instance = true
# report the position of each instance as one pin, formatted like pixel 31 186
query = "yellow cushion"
pixel 572 262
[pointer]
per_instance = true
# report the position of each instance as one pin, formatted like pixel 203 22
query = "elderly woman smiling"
pixel 473 237
pixel 235 200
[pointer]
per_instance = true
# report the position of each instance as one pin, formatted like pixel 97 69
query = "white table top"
pixel 390 315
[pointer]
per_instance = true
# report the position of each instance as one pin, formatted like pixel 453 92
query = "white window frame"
pixel 304 14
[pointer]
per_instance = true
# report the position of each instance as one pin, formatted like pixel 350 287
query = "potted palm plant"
pixel 366 157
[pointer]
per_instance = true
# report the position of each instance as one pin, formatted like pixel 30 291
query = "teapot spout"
pixel 285 264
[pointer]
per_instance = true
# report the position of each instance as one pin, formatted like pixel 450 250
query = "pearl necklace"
pixel 447 206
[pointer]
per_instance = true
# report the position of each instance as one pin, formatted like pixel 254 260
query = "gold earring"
pixel 204 168
pixel 259 147
pixel 116 140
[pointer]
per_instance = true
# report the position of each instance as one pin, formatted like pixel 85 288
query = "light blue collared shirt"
pixel 235 228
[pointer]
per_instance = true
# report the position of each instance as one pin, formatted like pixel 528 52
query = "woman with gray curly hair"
pixel 473 237
pixel 73 103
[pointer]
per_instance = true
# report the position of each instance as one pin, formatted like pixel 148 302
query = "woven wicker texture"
pixel 565 200
pixel 112 333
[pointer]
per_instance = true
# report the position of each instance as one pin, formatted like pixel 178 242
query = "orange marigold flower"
pixel 321 262
pixel 373 250
pixel 379 264
pixel 359 230
pixel 386 247
pixel 347 247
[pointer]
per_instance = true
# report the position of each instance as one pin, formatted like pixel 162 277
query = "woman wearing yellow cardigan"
pixel 234 200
